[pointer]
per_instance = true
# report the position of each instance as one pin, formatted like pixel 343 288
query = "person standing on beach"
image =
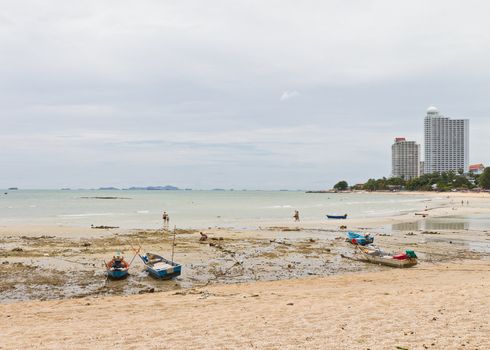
pixel 165 218
pixel 296 215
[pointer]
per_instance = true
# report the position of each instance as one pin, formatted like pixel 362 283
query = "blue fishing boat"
pixel 159 267
pixel 337 216
pixel 356 238
pixel 117 268
pixel 117 273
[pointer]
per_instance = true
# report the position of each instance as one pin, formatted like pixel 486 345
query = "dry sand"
pixel 427 307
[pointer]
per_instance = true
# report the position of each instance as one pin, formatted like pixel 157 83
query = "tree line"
pixel 445 181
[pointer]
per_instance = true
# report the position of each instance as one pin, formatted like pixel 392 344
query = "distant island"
pixel 13 188
pixel 154 188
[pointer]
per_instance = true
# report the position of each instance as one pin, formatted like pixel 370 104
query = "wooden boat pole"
pixel 173 245
pixel 134 256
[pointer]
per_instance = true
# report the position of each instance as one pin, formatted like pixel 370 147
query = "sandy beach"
pixel 442 306
pixel 283 285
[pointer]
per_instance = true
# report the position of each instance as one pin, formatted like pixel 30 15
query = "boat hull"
pixel 338 217
pixel 118 274
pixel 390 261
pixel 160 268
pixel 164 274
pixel 374 257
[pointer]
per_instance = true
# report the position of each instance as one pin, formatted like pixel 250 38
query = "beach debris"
pixel 148 290
pixel 290 304
pixel 103 227
pixel 17 249
pixel 430 233
pixel 283 228
pixel 278 242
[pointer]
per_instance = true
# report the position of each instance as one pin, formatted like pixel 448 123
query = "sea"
pixel 134 209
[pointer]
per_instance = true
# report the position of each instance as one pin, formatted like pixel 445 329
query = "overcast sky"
pixel 231 94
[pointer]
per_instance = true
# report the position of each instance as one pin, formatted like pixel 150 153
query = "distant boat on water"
pixel 337 216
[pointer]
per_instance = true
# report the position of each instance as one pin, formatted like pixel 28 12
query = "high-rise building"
pixel 405 159
pixel 446 143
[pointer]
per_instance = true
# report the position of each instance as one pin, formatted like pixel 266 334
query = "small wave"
pixel 279 206
pixel 142 211
pixel 84 215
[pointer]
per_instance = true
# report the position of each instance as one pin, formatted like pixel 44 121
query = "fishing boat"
pixel 115 273
pixel 159 267
pixel 356 238
pixel 117 268
pixel 377 256
pixel 337 216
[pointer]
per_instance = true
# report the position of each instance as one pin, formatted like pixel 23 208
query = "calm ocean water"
pixel 143 209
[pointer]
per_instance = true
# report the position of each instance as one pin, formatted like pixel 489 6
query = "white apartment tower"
pixel 446 143
pixel 405 159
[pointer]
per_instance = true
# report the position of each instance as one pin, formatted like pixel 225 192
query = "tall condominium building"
pixel 405 159
pixel 446 143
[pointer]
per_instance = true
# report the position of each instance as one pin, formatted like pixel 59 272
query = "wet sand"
pixel 42 262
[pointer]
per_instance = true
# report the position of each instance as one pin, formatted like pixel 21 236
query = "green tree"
pixel 484 179
pixel 341 186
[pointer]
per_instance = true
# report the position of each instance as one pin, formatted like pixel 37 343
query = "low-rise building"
pixel 405 159
pixel 477 169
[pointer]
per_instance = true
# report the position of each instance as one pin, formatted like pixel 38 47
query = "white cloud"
pixel 288 94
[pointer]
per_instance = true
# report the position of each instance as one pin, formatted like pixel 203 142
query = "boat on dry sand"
pixel 377 256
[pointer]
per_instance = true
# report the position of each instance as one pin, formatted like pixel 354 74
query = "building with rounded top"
pixel 432 111
pixel 446 143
